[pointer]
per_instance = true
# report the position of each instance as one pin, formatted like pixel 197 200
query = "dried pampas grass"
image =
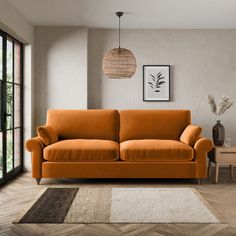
pixel 221 107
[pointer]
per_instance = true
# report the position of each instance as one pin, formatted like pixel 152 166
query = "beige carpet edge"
pixel 29 205
pixel 209 206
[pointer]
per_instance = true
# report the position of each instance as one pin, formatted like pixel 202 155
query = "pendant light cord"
pixel 119 33
pixel 119 14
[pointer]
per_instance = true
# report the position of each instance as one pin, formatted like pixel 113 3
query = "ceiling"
pixel 143 14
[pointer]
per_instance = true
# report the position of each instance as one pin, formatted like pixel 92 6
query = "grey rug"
pixel 119 205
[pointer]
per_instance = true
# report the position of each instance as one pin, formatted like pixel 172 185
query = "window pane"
pixel 17 153
pixel 1 77
pixel 1 56
pixel 9 61
pixel 17 69
pixel 9 150
pixel 1 104
pixel 9 105
pixel 1 156
pixel 17 105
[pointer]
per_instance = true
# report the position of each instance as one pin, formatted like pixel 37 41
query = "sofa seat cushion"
pixel 82 150
pixel 155 150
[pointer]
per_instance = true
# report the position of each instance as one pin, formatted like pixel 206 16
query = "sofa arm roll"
pixel 201 148
pixel 35 146
pixel 203 144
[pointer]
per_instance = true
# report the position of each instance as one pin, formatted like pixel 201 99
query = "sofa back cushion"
pixel 190 134
pixel 47 134
pixel 85 124
pixel 153 124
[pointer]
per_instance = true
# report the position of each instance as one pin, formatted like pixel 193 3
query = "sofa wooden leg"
pixel 199 181
pixel 38 180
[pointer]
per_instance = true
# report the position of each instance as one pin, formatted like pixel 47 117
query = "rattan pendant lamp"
pixel 119 63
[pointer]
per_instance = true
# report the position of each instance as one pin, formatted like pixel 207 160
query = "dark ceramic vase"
pixel 218 133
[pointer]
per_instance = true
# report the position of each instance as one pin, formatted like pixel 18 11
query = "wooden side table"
pixel 221 155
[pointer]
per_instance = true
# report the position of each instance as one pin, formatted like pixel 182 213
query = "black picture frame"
pixel 156 83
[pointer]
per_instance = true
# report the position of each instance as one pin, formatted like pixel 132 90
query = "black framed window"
pixel 11 107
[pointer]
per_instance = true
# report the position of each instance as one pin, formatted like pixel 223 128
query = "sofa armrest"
pixel 35 146
pixel 203 144
pixel 34 143
pixel 201 148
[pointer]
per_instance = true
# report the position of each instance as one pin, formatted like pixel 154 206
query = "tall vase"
pixel 218 133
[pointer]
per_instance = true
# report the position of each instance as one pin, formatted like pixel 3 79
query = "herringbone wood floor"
pixel 15 196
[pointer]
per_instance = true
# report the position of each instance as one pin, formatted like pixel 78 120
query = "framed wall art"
pixel 156 83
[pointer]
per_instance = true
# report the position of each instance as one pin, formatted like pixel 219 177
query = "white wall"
pixel 61 70
pixel 202 62
pixel 12 22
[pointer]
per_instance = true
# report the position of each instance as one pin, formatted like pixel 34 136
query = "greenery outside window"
pixel 11 107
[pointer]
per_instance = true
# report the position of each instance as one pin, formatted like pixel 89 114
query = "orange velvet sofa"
pixel 119 144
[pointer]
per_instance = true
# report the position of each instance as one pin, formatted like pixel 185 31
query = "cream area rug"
pixel 119 205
